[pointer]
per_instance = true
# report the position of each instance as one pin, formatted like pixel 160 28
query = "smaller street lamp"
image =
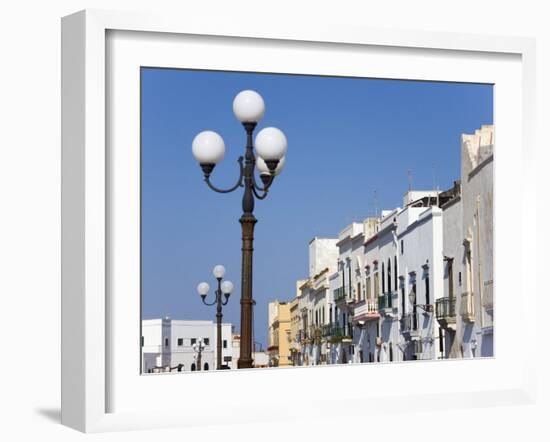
pixel 222 298
pixel 198 347
pixel 412 299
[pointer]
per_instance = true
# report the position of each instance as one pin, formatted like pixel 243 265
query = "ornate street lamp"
pixel 198 347
pixel 224 288
pixel 412 299
pixel 270 147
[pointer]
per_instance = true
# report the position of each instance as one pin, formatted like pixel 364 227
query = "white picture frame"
pixel 88 311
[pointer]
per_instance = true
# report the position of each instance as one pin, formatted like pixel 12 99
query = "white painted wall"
pixel 179 335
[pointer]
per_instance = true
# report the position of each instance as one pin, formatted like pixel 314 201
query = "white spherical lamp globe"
pixel 203 288
pixel 248 106
pixel 218 271
pixel 271 144
pixel 208 147
pixel 264 170
pixel 227 287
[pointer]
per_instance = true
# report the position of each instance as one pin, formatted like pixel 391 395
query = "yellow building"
pixel 295 321
pixel 279 334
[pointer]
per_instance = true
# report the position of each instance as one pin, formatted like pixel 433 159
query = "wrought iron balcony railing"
pixel 385 301
pixel 445 311
pixel 410 323
pixel 339 294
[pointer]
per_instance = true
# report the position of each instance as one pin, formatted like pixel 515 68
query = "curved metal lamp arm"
pixel 226 300
pixel 209 303
pixel 237 185
pixel 263 196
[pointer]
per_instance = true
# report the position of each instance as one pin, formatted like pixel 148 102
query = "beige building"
pixel 279 334
pixel 295 318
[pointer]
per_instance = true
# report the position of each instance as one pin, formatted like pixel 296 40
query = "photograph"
pixel 303 220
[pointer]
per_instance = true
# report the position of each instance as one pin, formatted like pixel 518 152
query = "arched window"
pixel 391 352
pixel 383 279
pixel 389 275
pixel 206 366
pixel 395 272
pixel 193 367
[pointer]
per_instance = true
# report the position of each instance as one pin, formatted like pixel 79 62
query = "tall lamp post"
pixel 270 147
pixel 224 289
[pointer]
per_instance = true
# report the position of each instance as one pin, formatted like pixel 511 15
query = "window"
pixel 460 279
pixel 330 314
pixel 206 341
pixel 206 366
pixel 389 275
pixel 402 297
pixel 415 317
pixel 450 276
pixel 395 271
pixel 402 247
pixel 193 367
pixel 359 291
pixel 391 352
pixel 180 342
pixel 193 341
pixel 368 288
pixel 383 279
pixel 427 279
pixel 142 341
pixel 166 342
pixel 225 343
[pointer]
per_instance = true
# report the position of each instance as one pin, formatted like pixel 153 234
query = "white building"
pixel 167 345
pixel 416 283
pixel 315 303
pixel 468 243
pixel 420 243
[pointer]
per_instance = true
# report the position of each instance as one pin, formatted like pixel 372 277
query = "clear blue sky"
pixel 347 138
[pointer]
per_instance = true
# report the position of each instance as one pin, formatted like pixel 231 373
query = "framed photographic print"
pixel 249 211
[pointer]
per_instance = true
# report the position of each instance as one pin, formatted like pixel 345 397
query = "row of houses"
pixel 414 283
pixel 175 345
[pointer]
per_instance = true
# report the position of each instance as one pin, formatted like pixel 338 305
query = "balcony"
pixel 340 294
pixel 410 324
pixel 335 333
pixel 467 310
pixel 445 311
pixel 366 311
pixel 385 303
pixel 315 333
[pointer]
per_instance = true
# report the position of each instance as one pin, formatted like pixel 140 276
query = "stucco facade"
pixel 414 283
pixel 168 344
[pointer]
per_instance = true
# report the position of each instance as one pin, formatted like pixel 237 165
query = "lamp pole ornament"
pixel 224 289
pixel 266 155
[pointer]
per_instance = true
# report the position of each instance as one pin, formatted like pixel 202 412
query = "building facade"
pixel 167 345
pixel 413 283
pixel 279 334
